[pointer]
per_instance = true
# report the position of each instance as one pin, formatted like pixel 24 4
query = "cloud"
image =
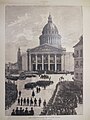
pixel 27 25
pixel 19 20
pixel 22 41
pixel 28 33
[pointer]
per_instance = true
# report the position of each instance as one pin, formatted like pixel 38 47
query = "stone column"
pixel 55 62
pixel 42 63
pixel 30 62
pixel 49 62
pixel 36 61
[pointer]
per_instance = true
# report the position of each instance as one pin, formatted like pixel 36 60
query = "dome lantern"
pixel 49 18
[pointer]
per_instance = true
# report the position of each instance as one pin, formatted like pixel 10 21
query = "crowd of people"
pixel 29 101
pixel 21 111
pixel 32 102
pixel 66 99
pixel 11 94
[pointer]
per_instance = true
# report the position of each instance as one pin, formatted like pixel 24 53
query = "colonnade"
pixel 55 63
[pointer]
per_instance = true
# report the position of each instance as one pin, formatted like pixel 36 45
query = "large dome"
pixel 50 27
pixel 50 34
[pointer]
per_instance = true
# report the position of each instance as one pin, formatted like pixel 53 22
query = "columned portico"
pixel 52 63
pixel 43 58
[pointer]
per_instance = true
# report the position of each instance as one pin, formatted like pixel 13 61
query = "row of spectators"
pixel 64 101
pixel 11 94
pixel 30 102
pixel 22 111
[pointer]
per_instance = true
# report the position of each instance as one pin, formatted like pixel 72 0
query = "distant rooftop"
pixel 80 41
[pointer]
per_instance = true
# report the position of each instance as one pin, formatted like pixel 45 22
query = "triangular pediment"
pixel 45 48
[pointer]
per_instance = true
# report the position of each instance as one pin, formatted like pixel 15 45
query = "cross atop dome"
pixel 49 18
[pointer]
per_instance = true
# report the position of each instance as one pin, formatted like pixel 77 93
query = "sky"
pixel 24 25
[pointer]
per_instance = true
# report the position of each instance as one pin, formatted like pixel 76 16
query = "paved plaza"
pixel 44 94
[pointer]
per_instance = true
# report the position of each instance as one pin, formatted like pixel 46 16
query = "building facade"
pixel 78 60
pixel 45 57
pixel 49 55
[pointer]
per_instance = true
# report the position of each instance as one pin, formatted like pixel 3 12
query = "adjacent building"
pixel 78 60
pixel 11 68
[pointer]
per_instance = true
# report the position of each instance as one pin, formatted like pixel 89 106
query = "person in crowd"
pixel 31 112
pixel 26 111
pixel 31 102
pixel 44 103
pixel 24 101
pixel 62 78
pixel 13 112
pixel 35 102
pixel 44 87
pixel 37 89
pixel 49 78
pixel 80 97
pixel 17 111
pixel 18 101
pixel 21 101
pixel 39 102
pixel 21 111
pixel 28 101
pixel 19 93
pixel 59 79
pixel 33 93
